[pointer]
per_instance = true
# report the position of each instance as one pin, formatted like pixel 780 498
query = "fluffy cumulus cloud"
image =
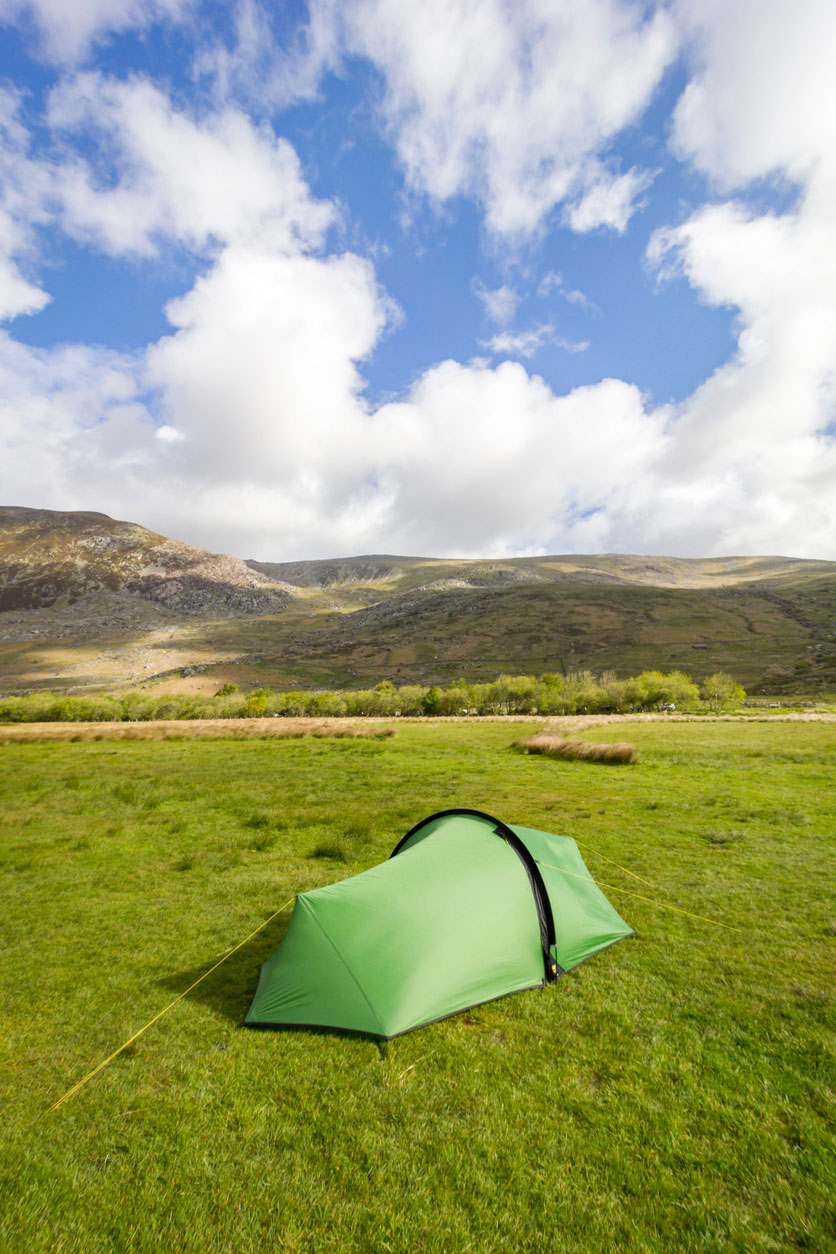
pixel 506 102
pixel 755 446
pixel 257 389
pixel 492 457
pixel 761 95
pixel 514 104
pixel 160 175
pixel 261 376
pixel 24 193
pixel 247 427
pixel 73 425
pixel 248 422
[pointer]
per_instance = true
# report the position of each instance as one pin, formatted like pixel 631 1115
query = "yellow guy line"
pixel 625 869
pixel 612 888
pixel 131 1039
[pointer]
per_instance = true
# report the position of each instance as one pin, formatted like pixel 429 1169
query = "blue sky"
pixel 449 279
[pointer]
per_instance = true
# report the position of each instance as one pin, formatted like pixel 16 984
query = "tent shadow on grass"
pixel 229 990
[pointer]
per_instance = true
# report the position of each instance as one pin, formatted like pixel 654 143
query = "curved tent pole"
pixel 542 904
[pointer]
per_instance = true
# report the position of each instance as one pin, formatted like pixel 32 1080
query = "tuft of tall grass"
pixel 332 850
pixel 578 750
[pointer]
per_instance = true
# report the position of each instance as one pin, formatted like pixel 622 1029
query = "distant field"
pixel 674 1093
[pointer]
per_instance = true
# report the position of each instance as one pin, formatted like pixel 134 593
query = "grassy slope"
pixel 769 621
pixel 405 574
pixel 771 640
pixel 677 1095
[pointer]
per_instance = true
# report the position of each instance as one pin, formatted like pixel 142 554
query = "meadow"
pixel 674 1093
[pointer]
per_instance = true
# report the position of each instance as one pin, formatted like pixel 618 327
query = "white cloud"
pixel 481 459
pixel 24 195
pixel 519 343
pixel 71 426
pixel 501 103
pixel 607 200
pixel 260 376
pixel 527 343
pixel 262 66
pixel 755 446
pixel 572 346
pixel 510 104
pixel 553 281
pixel 575 297
pixel 169 435
pixel 762 96
pixel 67 28
pixel 756 431
pixel 160 174
pixel 247 427
pixel 500 303
pixel 474 459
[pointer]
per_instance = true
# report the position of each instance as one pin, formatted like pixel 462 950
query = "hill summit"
pixel 51 559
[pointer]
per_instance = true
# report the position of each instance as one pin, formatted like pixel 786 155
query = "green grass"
pixel 674 1093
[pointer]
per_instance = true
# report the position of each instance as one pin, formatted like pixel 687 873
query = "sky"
pixel 448 278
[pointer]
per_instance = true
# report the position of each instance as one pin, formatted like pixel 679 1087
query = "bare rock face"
pixel 52 559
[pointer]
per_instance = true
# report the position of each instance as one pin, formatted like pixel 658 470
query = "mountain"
pixel 50 559
pixel 403 574
pixel 87 601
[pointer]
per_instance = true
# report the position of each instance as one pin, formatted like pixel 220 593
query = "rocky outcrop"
pixel 51 559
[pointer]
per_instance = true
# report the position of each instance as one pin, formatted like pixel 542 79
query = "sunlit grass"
pixel 676 1092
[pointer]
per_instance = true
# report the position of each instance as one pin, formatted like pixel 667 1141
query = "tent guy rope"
pixel 586 845
pixel 131 1039
pixel 640 896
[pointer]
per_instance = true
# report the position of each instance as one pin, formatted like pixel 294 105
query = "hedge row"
pixel 548 694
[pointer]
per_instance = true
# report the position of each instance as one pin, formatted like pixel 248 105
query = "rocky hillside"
pixel 90 602
pixel 50 559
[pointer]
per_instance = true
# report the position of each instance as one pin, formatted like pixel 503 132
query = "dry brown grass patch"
pixel 194 729
pixel 578 750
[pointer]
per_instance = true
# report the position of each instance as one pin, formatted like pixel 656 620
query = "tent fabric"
pixel 467 909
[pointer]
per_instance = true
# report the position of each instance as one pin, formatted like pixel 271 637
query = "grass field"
pixel 674 1093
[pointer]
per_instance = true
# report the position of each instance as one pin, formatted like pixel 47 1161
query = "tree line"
pixel 549 694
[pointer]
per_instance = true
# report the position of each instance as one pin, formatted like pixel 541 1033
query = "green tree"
pixel 660 688
pixel 411 699
pixel 722 692
pixel 455 699
pixel 431 701
pixel 256 703
pixel 327 704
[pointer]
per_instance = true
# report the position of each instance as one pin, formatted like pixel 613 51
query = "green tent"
pixel 466 909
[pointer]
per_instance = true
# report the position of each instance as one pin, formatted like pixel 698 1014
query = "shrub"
pixel 256 703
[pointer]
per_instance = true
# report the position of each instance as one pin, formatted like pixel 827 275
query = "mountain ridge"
pixel 87 600
pixel 657 570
